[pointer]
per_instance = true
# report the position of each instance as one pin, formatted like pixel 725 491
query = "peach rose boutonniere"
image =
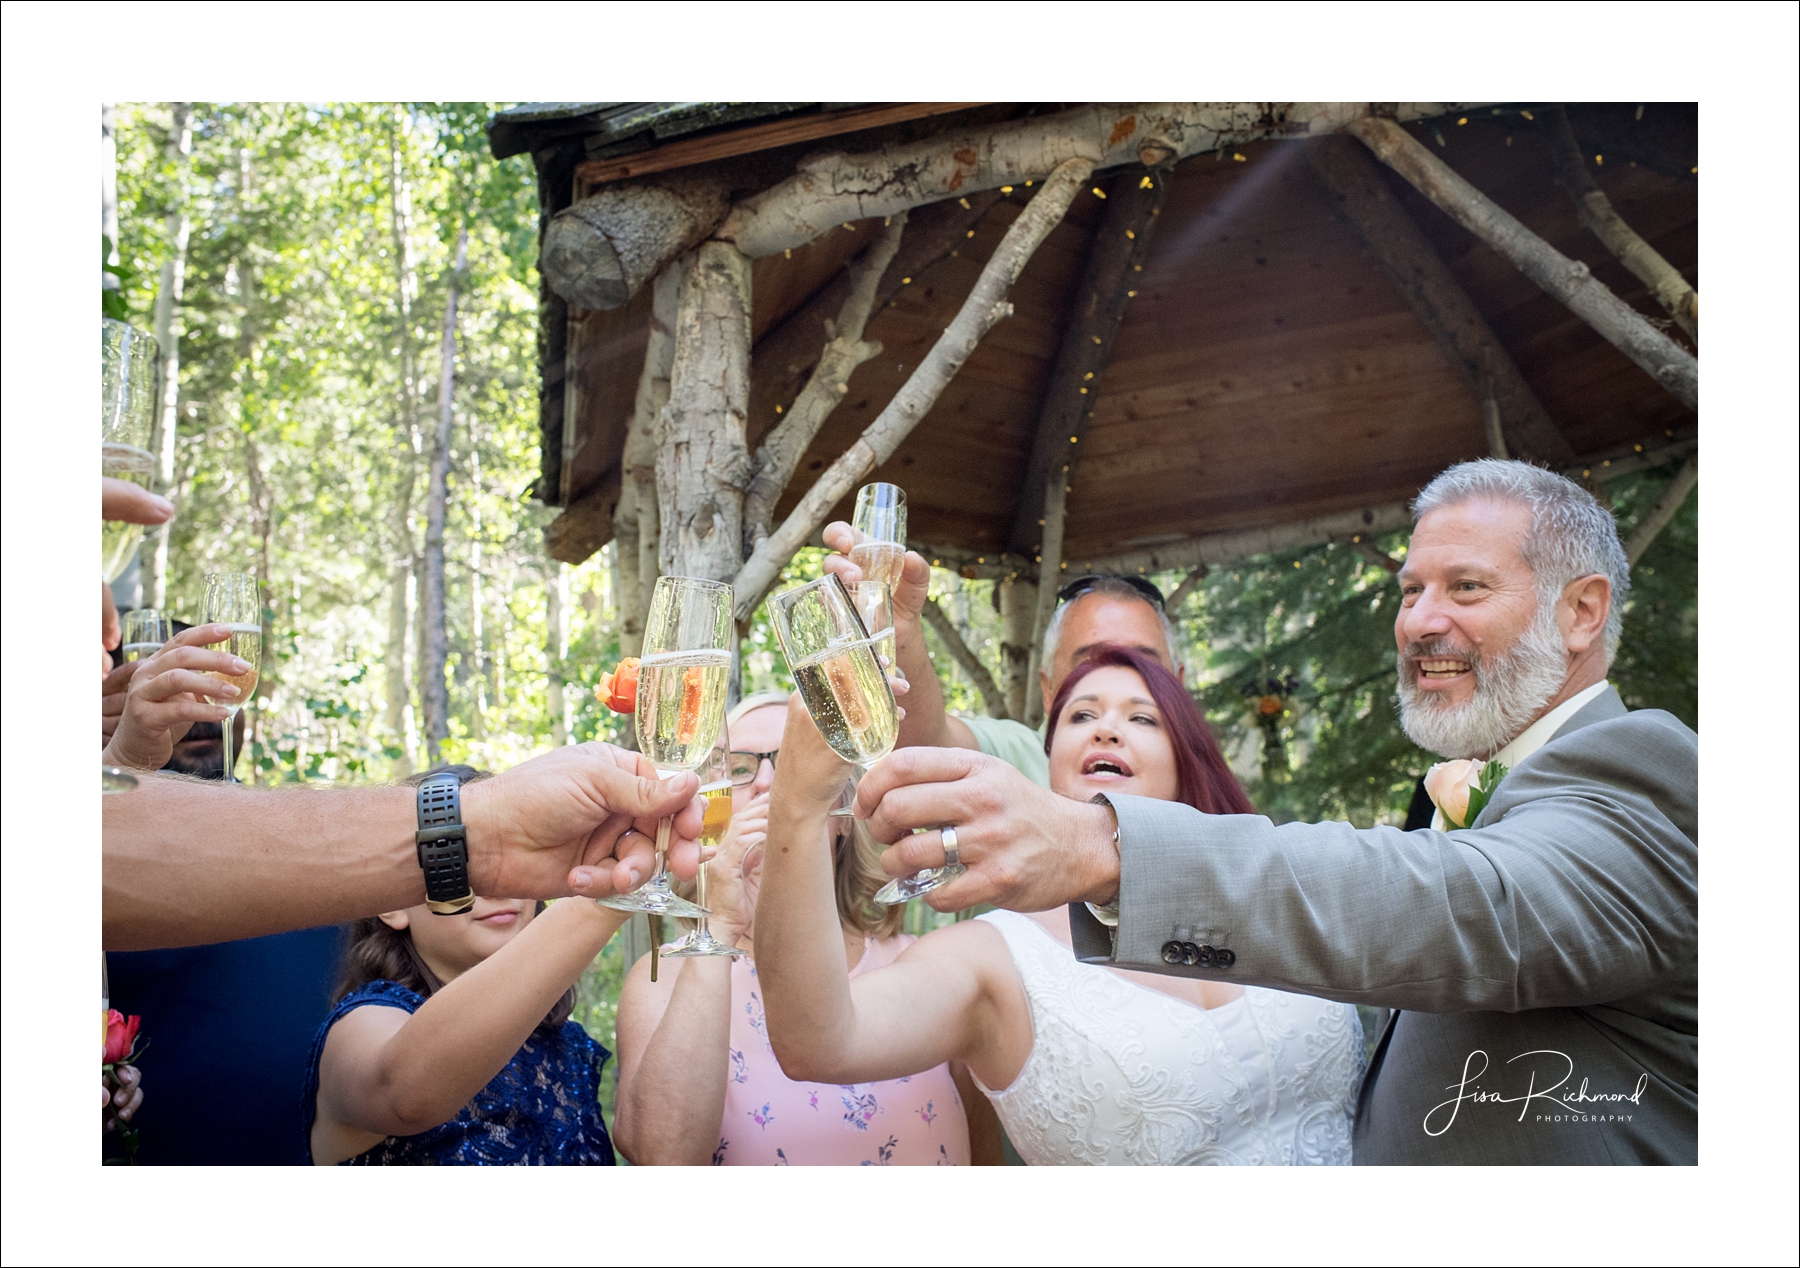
pixel 1462 789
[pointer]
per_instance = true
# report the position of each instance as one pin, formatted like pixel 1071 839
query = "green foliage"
pixel 1658 665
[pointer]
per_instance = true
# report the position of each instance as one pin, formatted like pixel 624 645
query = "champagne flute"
pixel 834 665
pixel 715 792
pixel 683 679
pixel 879 526
pixel 145 630
pixel 875 605
pixel 232 600
pixel 128 359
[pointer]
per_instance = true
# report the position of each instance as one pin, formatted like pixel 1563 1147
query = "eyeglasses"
pixel 743 766
pixel 1081 585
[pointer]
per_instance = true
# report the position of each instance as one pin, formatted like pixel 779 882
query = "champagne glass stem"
pixel 663 827
pixel 225 732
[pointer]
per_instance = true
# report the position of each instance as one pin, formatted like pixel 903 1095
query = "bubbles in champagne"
pixel 850 701
pixel 245 642
pixel 880 561
pixel 681 706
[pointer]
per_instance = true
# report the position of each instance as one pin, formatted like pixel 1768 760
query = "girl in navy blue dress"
pixel 452 1042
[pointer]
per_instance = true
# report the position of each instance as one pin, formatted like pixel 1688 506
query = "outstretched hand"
pixel 172 690
pixel 915 578
pixel 580 819
pixel 1026 848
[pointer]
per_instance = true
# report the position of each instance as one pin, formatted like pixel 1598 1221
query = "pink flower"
pixel 1462 789
pixel 121 1037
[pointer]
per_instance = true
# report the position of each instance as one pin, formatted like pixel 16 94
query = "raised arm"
pixel 186 862
pixel 926 723
pixel 385 1073
pixel 953 995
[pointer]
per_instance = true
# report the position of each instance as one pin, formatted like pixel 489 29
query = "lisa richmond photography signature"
pixel 1553 1104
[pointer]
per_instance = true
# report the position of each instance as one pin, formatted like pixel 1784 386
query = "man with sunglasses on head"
pixel 1089 611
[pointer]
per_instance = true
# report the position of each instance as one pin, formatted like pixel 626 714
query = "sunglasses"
pixel 1081 585
pixel 742 767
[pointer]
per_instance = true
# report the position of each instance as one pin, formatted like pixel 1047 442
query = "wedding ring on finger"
pixel 952 852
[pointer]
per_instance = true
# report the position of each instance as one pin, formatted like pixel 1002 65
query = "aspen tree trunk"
pixel 434 692
pixel 109 189
pixel 262 517
pixel 168 340
pixel 477 622
pixel 1017 601
pixel 556 649
pixel 401 579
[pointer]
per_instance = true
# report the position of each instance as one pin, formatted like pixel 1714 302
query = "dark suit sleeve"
pixel 1576 887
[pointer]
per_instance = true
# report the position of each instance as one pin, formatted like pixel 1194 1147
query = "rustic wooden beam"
pixel 991 698
pixel 1225 548
pixel 785 353
pixel 586 524
pixel 702 458
pixel 845 350
pixel 1377 556
pixel 975 565
pixel 1658 516
pixel 1671 290
pixel 596 253
pixel 635 525
pixel 1567 280
pixel 1121 241
pixel 758 137
pixel 1189 584
pixel 986 305
pixel 834 188
pixel 1397 244
pixel 1610 464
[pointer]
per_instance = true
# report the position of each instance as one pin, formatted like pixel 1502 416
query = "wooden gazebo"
pixel 1119 337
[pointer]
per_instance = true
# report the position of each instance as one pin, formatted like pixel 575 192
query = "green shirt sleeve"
pixel 1013 743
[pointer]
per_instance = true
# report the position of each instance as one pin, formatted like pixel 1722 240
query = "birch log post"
pixel 1396 243
pixel 702 457
pixel 834 188
pixel 434 692
pixel 991 698
pixel 845 350
pixel 1016 600
pixel 1672 291
pixel 1121 241
pixel 784 354
pixel 1565 279
pixel 1657 517
pixel 986 305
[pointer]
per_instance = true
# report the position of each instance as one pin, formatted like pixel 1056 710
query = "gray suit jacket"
pixel 1546 959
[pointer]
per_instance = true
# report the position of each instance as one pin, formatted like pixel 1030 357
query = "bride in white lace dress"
pixel 1083 1064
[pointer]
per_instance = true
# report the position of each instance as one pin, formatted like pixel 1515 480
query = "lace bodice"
pixel 543 1109
pixel 1122 1074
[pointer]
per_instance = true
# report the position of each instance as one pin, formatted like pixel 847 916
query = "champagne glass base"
pixel 908 888
pixel 702 943
pixel 114 780
pixel 655 899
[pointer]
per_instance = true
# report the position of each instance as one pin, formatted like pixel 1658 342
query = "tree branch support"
pixel 991 698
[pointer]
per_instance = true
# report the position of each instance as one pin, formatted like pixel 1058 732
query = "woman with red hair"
pixel 1084 1064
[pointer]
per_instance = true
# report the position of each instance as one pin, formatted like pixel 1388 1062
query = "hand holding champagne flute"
pixel 683 680
pixel 232 601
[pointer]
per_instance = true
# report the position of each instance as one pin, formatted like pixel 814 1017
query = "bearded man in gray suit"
pixel 1543 959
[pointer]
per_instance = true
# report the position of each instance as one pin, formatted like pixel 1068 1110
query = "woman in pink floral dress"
pixel 698 1081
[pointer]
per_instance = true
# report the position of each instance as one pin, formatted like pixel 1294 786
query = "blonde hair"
pixel 856 871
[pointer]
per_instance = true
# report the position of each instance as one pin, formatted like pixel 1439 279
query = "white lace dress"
pixel 1124 1075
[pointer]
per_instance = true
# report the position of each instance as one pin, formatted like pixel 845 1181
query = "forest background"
pixel 298 263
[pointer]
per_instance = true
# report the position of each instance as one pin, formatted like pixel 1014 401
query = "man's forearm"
pixel 186 862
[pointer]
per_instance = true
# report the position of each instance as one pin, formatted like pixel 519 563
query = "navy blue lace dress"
pixel 543 1109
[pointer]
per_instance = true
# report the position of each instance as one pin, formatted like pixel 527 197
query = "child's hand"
pixel 171 691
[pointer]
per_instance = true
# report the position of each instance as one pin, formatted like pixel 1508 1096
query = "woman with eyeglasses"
pixel 698 1081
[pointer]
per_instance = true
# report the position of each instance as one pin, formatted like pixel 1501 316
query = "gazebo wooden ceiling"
pixel 1268 370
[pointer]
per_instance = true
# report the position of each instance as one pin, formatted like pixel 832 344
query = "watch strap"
pixel 443 845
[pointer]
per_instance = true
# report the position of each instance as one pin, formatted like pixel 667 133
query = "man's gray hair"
pixel 1112 588
pixel 1571 534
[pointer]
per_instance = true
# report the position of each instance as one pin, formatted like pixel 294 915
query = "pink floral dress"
pixel 772 1121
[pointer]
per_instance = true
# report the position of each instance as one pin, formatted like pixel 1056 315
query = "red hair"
pixel 1202 780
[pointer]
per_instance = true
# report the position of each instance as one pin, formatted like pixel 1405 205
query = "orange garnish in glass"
pixel 687 724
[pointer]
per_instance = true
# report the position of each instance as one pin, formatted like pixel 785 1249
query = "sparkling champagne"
pixel 850 701
pixel 880 561
pixel 717 801
pixel 138 651
pixel 681 706
pixel 245 642
pixel 119 540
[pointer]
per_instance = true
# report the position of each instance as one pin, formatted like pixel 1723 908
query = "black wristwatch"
pixel 443 846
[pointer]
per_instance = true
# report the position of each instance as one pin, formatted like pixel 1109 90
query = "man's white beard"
pixel 1510 690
